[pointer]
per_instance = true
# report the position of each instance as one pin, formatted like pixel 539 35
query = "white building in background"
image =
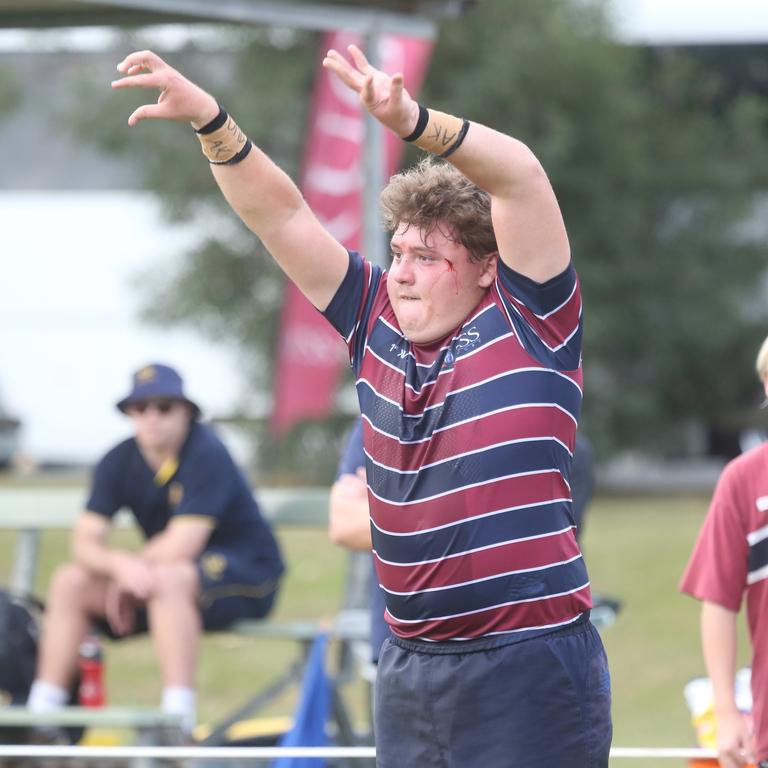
pixel 692 22
pixel 72 245
pixel 76 235
pixel 69 333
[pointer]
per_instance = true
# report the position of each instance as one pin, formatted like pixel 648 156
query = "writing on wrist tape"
pixel 222 141
pixel 438 132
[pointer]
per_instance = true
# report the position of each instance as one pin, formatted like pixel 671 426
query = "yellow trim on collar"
pixel 167 471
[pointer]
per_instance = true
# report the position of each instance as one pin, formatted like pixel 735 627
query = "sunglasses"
pixel 161 406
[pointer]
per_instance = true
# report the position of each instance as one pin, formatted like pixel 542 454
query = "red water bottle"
pixel 91 691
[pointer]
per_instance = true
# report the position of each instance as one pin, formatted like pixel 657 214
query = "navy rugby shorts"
pixel 544 702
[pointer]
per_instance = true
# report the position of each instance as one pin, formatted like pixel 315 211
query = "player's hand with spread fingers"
pixel 180 99
pixel 383 96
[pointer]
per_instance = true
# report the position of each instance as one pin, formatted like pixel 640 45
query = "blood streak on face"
pixel 455 274
pixel 432 283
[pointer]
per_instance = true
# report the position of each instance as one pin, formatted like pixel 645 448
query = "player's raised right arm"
pixel 264 197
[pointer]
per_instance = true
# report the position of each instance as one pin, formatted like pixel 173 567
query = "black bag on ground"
pixel 20 617
pixel 19 634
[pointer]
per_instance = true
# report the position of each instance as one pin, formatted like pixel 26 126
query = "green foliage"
pixel 657 157
pixel 307 455
pixel 262 83
pixel 227 286
pixel 229 293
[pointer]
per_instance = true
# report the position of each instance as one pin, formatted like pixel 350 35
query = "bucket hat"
pixel 155 381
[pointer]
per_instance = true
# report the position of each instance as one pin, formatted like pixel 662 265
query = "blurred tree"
pixel 228 286
pixel 657 160
pixel 658 157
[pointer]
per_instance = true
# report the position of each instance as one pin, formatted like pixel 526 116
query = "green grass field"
pixel 636 549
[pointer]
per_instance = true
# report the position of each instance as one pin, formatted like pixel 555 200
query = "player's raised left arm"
pixel 526 216
pixel 527 221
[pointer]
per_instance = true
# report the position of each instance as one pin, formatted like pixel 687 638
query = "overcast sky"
pixel 703 21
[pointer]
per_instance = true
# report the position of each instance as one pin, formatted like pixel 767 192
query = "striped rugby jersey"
pixel 468 445
pixel 730 561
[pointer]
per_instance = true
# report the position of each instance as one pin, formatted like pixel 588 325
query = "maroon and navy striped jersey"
pixel 468 443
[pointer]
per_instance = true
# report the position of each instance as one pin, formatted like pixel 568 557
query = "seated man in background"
pixel 208 559
pixel 350 524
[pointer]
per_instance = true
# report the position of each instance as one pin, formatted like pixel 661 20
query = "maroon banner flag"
pixel 310 354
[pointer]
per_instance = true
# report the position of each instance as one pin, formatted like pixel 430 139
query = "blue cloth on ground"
pixel 312 712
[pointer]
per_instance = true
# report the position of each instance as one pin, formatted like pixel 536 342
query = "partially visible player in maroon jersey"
pixel 730 562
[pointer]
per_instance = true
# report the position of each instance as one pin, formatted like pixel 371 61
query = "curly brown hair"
pixel 434 195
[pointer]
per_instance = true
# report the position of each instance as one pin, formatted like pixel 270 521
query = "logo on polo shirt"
pixel 175 494
pixel 214 565
pixel 762 503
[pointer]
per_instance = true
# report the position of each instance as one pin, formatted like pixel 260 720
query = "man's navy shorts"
pixel 230 590
pixel 495 702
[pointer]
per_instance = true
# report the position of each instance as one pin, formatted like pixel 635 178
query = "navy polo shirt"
pixel 204 483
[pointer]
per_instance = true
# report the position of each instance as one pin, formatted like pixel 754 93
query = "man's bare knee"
pixel 70 582
pixel 176 580
pixel 76 590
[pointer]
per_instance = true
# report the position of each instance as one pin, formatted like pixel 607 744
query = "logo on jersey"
pixel 467 340
pixel 762 504
pixel 175 494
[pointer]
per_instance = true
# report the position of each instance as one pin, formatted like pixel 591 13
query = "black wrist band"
pixel 215 124
pixel 241 155
pixel 456 144
pixel 421 124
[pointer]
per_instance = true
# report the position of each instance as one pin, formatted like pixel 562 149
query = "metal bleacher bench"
pixel 31 511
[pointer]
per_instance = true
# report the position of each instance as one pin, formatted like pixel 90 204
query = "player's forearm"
pixel 349 524
pixel 261 193
pixel 156 550
pixel 501 165
pixel 495 162
pixel 272 207
pixel 527 222
pixel 166 548
pixel 255 187
pixel 95 556
pixel 719 644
